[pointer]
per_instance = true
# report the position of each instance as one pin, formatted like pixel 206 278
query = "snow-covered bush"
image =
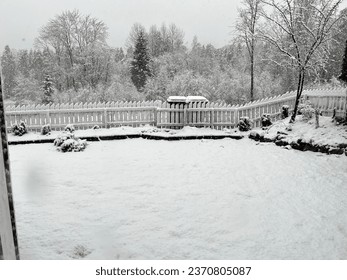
pixel 285 112
pixel 265 120
pixel 338 119
pixel 46 129
pixel 67 142
pixel 19 129
pixel 62 137
pixel 306 110
pixel 244 124
pixel 70 128
pixel 73 145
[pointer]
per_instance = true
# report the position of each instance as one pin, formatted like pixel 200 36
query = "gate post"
pixel 8 234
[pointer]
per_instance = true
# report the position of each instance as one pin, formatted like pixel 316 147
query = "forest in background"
pixel 72 61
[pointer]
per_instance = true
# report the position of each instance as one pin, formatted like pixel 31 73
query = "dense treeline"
pixel 72 52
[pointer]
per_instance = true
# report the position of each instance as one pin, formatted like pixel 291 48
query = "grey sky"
pixel 210 20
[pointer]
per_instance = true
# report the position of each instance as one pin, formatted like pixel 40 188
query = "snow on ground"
pixel 80 133
pixel 328 133
pixel 192 199
pixel 193 131
pixel 126 130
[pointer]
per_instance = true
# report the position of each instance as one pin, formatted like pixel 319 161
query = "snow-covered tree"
pixel 27 90
pixel 48 90
pixel 247 29
pixel 23 63
pixel 333 67
pixel 301 32
pixel 139 67
pixel 9 69
pixel 74 43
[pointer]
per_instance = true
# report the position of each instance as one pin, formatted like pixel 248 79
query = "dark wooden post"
pixel 8 234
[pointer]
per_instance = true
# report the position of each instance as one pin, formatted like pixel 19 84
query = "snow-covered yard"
pixel 192 199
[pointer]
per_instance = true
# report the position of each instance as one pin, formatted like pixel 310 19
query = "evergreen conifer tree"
pixel 140 64
pixel 343 76
pixel 48 90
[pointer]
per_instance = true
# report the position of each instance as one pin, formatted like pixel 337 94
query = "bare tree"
pixel 302 31
pixel 73 41
pixel 247 28
pixel 176 37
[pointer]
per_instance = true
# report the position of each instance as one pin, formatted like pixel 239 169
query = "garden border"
pixel 131 136
pixel 300 144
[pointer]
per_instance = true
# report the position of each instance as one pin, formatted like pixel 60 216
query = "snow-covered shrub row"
pixel 19 129
pixel 67 142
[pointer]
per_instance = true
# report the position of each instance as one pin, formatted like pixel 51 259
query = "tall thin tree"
pixel 247 29
pixel 48 90
pixel 139 67
pixel 343 77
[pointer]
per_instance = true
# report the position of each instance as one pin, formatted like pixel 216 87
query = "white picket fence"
pixel 164 114
pixel 328 100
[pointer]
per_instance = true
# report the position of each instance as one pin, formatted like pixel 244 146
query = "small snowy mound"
pixel 67 142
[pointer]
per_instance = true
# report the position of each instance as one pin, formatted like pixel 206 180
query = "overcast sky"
pixel 210 20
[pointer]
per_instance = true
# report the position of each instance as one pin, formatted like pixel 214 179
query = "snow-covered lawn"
pixel 192 199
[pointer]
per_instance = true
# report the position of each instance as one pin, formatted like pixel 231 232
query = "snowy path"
pixel 140 199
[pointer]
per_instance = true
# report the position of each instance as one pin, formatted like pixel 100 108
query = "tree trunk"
pixel 301 80
pixel 252 76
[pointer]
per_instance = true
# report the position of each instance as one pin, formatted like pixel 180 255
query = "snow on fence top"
pixel 161 104
pixel 163 114
pixel 132 104
pixel 186 99
pixel 326 92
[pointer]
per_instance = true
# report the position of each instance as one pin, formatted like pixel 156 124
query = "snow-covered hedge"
pixel 19 129
pixel 67 142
